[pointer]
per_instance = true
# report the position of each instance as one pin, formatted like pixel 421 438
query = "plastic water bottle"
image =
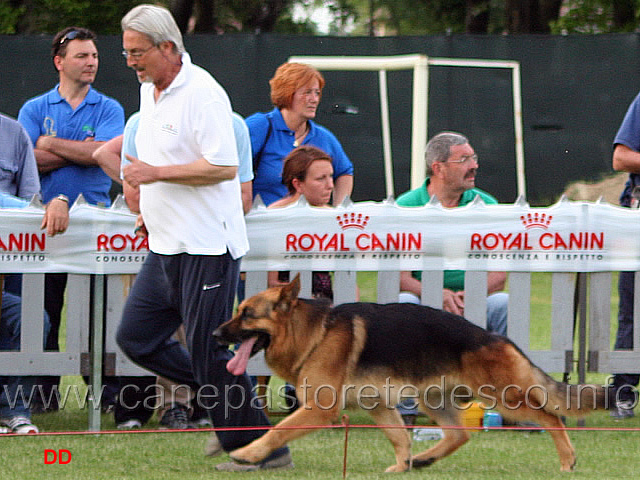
pixel 491 419
pixel 423 434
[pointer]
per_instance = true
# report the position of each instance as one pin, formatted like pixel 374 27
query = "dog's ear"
pixel 295 286
pixel 288 295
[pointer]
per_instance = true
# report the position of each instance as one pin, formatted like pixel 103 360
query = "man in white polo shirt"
pixel 191 208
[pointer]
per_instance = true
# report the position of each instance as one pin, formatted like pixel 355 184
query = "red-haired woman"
pixel 296 90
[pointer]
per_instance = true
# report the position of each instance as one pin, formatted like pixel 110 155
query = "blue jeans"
pixel 15 390
pixel 497 309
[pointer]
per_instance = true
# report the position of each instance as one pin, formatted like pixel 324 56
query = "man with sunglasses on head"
pixel 66 125
pixel 452 165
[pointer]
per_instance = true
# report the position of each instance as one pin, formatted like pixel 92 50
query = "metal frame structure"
pixel 419 125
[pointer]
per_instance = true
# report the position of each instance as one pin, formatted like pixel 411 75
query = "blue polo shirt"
pixel 629 136
pixel 268 177
pixel 98 117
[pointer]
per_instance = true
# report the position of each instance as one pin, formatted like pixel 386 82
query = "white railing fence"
pixel 94 307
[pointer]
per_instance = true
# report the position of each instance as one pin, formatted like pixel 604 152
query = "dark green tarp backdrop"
pixel 575 91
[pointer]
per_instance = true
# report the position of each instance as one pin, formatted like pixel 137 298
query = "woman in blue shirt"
pixel 296 90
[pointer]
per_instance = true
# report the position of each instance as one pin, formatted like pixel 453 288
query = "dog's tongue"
pixel 238 364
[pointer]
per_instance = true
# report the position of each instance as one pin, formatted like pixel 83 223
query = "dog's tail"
pixel 561 398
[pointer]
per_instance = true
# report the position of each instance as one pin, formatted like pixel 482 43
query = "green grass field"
pixel 489 455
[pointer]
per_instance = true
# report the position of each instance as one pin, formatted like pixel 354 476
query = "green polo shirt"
pixel 453 279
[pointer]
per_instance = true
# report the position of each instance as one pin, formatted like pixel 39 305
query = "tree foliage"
pixel 410 17
pixel 51 16
pixel 406 17
pixel 233 15
pixel 598 16
pixel 363 17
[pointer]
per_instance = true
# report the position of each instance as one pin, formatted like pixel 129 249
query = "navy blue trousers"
pixel 197 290
pixel 624 337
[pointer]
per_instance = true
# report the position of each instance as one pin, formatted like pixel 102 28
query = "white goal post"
pixel 419 135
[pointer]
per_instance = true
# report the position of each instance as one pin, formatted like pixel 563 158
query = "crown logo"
pixel 536 220
pixel 352 220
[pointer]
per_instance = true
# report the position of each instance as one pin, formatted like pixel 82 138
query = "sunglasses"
pixel 80 34
pixel 69 36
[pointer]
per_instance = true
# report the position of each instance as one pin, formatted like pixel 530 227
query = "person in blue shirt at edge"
pixel 15 413
pixel 452 165
pixel 296 90
pixel 626 158
pixel 66 125
pixel 18 176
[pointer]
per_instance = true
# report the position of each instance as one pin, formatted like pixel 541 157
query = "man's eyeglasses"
pixel 464 159
pixel 136 54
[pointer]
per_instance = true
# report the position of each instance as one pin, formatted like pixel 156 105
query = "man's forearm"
pixel 75 151
pixel 626 159
pixel 343 188
pixel 410 284
pixel 496 281
pixel 197 173
pixel 246 189
pixel 108 158
pixel 48 162
pixel 132 197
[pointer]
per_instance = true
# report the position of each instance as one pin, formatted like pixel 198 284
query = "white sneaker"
pixel 203 422
pixel 132 424
pixel 623 410
pixel 20 425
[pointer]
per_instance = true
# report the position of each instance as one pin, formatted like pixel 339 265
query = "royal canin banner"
pixel 565 237
pixel 98 240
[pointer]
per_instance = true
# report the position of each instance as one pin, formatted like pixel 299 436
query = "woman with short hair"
pixel 296 90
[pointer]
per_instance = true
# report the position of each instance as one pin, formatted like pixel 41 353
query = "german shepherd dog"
pixel 362 353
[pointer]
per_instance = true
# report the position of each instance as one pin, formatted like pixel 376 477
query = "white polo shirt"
pixel 190 120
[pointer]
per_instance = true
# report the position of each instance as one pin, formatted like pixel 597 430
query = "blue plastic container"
pixel 491 419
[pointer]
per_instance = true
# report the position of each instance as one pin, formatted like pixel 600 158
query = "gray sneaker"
pixel 176 418
pixel 282 462
pixel 622 410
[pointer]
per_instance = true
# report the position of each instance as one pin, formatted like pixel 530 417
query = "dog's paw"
pixel 397 468
pixel 248 454
pixel 568 464
pixel 569 467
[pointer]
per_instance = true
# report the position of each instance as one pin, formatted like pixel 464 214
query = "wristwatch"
pixel 63 197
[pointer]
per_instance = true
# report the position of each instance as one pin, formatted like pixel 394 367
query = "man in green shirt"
pixel 451 173
pixel 451 177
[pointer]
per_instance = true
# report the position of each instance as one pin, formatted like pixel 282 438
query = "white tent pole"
pixel 420 65
pixel 517 121
pixel 420 119
pixel 386 132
